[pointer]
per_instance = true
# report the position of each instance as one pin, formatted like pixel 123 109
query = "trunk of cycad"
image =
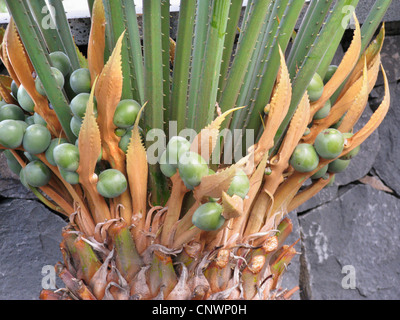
pixel 142 247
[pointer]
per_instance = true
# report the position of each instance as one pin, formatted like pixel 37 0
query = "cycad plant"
pixel 133 142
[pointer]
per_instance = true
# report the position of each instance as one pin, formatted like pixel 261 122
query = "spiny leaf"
pixel 89 142
pixel 137 171
pixel 277 110
pixel 213 185
pixel 358 106
pixel 308 193
pixel 280 162
pixel 371 54
pixel 205 142
pixel 5 89
pixel 96 45
pixel 232 206
pixel 89 150
pixel 108 94
pixel 347 64
pixel 373 123
pixel 23 69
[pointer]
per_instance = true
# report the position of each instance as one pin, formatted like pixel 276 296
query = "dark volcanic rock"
pixel 292 274
pixel 388 157
pixel 30 236
pixel 10 186
pixel 358 231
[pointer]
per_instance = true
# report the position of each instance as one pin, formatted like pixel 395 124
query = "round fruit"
pixel 37 118
pixel 30 157
pixel 59 80
pixel 39 87
pixel 337 124
pixel 167 169
pixel 126 113
pixel 338 166
pixel 320 173
pixel 208 217
pixel 75 125
pixel 14 89
pixel 12 163
pixel 192 167
pixel 2 103
pixel 329 143
pixel 37 174
pixel 304 158
pixel 70 177
pixel 240 185
pixel 37 139
pixel 120 132
pixel 66 156
pixel 23 124
pixel 323 112
pixel 331 182
pixel 11 134
pixel 22 178
pixel 175 148
pixel 352 153
pixel 29 120
pixel 49 152
pixel 79 104
pixel 124 142
pixel 330 72
pixel 80 81
pixel 11 112
pixel 61 61
pixel 25 100
pixel 315 88
pixel 112 183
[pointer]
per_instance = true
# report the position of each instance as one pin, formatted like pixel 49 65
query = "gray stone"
pixel 10 185
pixel 291 276
pixel 30 236
pixel 325 195
pixel 388 158
pixel 390 57
pixel 359 229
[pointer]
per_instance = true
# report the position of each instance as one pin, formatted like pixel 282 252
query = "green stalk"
pixel 109 37
pixel 312 62
pixel 41 64
pixel 117 16
pixel 368 29
pixel 153 77
pixel 65 32
pixel 134 50
pixel 51 35
pixel 257 62
pixel 230 36
pixel 372 21
pixel 165 42
pixel 182 57
pixel 309 30
pixel 200 36
pixel 282 38
pixel 90 5
pixel 212 64
pixel 243 56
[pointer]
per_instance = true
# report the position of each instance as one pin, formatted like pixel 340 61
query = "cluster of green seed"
pixel 20 126
pixel 329 144
pixel 192 167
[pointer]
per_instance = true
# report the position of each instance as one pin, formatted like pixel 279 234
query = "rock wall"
pixel 349 244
